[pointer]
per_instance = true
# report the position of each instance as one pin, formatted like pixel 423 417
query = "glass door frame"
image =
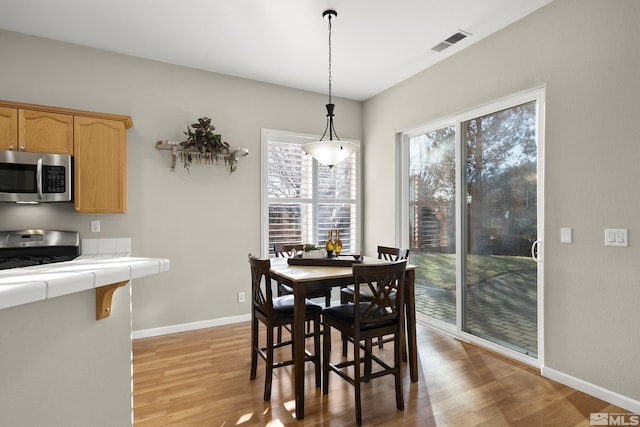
pixel 402 228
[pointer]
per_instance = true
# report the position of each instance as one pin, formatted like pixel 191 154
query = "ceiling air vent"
pixel 450 41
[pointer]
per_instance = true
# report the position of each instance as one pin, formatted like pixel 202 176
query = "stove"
pixel 24 248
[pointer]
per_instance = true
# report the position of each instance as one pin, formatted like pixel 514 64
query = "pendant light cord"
pixel 333 151
pixel 330 59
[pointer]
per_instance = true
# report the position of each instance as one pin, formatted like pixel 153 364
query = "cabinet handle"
pixel 22 148
pixel 11 147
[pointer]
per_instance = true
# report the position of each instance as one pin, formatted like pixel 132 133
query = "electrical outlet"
pixel 95 226
pixel 240 297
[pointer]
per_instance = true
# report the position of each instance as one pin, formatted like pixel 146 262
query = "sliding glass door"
pixel 472 216
pixel 500 283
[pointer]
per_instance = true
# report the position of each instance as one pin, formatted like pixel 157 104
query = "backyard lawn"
pixel 439 270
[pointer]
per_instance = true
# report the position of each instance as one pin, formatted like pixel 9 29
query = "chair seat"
pixel 283 306
pixel 345 314
pixel 288 290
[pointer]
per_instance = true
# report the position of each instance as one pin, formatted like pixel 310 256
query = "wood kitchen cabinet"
pixel 97 141
pixel 36 131
pixel 45 132
pixel 8 128
pixel 100 165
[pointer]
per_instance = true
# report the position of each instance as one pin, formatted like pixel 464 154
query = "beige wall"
pixel 61 367
pixel 585 52
pixel 205 221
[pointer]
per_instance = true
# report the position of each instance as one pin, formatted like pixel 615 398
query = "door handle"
pixel 535 251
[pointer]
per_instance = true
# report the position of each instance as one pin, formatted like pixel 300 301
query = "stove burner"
pixel 28 261
pixel 17 263
pixel 35 247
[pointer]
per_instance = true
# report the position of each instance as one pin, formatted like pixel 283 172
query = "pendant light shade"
pixel 332 151
pixel 329 153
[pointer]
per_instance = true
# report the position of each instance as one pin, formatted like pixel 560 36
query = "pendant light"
pixel 332 151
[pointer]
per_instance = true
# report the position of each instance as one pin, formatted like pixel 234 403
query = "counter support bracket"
pixel 104 295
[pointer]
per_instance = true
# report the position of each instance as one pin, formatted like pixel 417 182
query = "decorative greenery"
pixel 203 144
pixel 311 247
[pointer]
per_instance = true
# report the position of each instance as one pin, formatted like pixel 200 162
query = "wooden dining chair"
pixel 276 312
pixel 386 253
pixel 287 250
pixel 362 321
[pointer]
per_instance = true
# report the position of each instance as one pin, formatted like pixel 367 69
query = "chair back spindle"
pixel 392 254
pixel 386 286
pixel 287 250
pixel 262 294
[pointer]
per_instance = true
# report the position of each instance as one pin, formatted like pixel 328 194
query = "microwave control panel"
pixel 54 179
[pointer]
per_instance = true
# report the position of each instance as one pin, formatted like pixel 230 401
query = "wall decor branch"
pixel 202 146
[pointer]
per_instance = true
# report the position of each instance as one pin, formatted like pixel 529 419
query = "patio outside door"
pixel 473 216
pixel 499 296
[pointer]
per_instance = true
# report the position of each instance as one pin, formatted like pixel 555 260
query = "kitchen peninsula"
pixel 62 363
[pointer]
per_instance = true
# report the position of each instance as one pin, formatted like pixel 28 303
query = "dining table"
pixel 305 278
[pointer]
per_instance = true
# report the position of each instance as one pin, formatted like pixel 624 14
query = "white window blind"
pixel 305 200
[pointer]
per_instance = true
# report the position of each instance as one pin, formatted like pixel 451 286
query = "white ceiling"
pixel 376 43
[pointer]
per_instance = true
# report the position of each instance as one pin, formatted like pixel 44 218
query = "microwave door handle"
pixel 39 178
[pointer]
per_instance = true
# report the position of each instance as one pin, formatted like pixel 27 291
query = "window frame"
pixel 302 138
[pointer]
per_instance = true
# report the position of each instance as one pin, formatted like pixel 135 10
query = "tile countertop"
pixel 88 271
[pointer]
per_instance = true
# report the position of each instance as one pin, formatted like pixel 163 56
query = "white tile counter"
pixel 30 284
pixel 62 345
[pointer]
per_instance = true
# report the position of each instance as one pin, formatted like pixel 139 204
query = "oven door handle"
pixel 39 178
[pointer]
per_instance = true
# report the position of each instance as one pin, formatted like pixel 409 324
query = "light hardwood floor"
pixel 201 378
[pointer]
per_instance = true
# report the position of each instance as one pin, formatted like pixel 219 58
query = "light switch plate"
pixel 566 235
pixel 616 237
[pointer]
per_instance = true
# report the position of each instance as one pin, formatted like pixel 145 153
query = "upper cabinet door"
pixel 8 128
pixel 100 165
pixel 44 132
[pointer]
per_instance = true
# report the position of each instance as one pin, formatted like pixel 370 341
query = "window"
pixel 302 200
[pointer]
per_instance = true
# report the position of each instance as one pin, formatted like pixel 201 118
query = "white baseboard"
pixel 192 326
pixel 593 390
pixel 173 329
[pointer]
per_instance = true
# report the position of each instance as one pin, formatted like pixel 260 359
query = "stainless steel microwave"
pixel 35 177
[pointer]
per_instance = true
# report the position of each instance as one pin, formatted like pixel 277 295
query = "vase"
pixel 314 254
